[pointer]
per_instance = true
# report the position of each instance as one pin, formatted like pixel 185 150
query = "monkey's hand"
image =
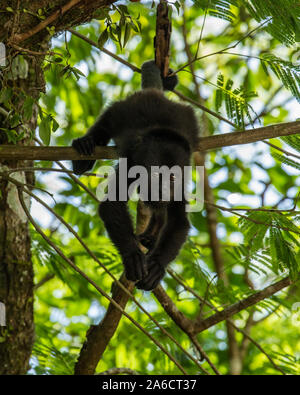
pixel 84 145
pixel 135 265
pixel 170 82
pixel 156 273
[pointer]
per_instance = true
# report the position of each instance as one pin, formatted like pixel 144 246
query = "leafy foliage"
pixel 218 8
pixel 284 24
pixel 278 251
pixel 287 72
pixel 262 247
pixel 294 160
pixel 282 15
pixel 236 101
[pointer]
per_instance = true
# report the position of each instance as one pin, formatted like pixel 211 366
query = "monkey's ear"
pixel 169 83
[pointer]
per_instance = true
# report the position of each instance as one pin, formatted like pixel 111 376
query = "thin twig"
pixel 257 345
pixel 202 107
pixel 114 371
pixel 204 355
pixel 100 290
pixel 202 300
pixel 75 179
pixel 18 184
pixel 106 51
pixel 221 51
pixel 34 53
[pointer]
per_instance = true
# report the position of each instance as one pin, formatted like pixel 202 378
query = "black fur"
pixel 151 77
pixel 148 130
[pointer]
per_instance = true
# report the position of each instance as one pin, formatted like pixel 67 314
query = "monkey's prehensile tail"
pixel 151 77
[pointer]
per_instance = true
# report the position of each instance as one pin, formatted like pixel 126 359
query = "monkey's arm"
pixel 98 135
pixel 173 236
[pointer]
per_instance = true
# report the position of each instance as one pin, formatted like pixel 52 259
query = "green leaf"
pixel 5 94
pixel 103 38
pixel 45 130
pixel 127 33
pixel 28 108
pixel 101 13
pixel 123 9
pixel 55 125
pixel 177 5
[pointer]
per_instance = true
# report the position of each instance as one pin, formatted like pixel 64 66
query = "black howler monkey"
pixel 149 130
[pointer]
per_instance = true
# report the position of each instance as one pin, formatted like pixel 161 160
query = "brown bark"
pixel 99 336
pixel 205 144
pixel 201 325
pixel 16 271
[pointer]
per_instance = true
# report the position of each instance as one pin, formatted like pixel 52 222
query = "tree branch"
pixel 59 12
pixel 201 325
pixel 104 50
pixel 14 152
pixel 96 343
pixel 163 36
pixel 99 336
pixel 88 368
pixel 243 331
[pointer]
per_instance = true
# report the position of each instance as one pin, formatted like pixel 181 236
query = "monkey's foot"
pixel 135 265
pixel 156 273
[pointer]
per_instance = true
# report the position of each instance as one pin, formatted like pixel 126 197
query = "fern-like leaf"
pixel 218 8
pixel 287 161
pixel 287 72
pixel 236 101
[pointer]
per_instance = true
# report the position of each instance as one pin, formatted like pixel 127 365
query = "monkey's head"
pixel 164 155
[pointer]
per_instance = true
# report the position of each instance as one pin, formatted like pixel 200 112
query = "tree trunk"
pixel 22 29
pixel 16 271
pixel 16 284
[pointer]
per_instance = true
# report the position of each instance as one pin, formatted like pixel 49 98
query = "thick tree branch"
pixel 99 336
pixel 96 343
pixel 14 152
pixel 59 12
pixel 243 331
pixel 170 308
pixel 63 15
pixel 201 325
pixel 163 36
pixel 88 368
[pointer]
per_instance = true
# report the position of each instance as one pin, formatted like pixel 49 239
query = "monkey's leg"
pixel 173 236
pixel 119 226
pixel 149 237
